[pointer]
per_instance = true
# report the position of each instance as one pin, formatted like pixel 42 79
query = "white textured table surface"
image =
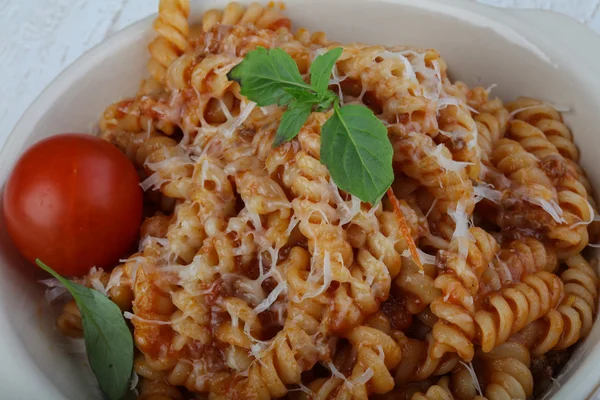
pixel 39 38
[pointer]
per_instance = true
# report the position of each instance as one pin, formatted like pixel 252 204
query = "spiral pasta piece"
pixel 522 167
pixel 458 386
pixel 377 354
pixel 455 330
pixel 173 29
pixel 255 14
pixel 570 233
pixel 490 116
pixel 156 390
pixel 459 132
pixel 572 320
pixel 418 286
pixel 516 259
pixel 416 156
pixel 418 363
pixel 511 309
pixel 547 120
pixel 506 372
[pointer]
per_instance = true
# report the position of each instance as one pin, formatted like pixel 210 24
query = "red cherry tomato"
pixel 74 202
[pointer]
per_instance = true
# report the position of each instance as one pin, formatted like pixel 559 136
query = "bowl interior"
pixel 482 46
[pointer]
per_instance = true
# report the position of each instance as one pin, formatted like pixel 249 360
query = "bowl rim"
pixel 585 379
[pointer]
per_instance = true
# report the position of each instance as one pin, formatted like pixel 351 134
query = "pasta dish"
pixel 258 277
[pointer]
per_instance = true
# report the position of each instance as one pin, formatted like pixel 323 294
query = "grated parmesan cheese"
pixel 293 222
pixel 507 274
pixel 154 181
pixel 272 297
pixel 549 206
pixel 447 101
pixel 346 214
pixel 592 217
pixel 326 274
pixel 461 232
pixel 460 218
pixel 335 372
pixel 471 370
pixel 431 207
pixel 360 380
pixel 94 280
pixel 423 257
pixel 130 316
pixel 446 163
pixel 134 381
pixel 302 388
pixel 239 120
pixel 408 72
pixel 115 279
pixel 559 108
pixel 54 293
pixel 484 192
pixel 489 89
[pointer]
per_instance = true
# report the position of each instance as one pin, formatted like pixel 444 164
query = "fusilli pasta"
pixel 256 277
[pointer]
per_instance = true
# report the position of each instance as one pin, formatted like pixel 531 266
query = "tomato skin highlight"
pixel 73 201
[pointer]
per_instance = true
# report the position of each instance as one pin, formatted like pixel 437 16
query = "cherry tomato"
pixel 74 202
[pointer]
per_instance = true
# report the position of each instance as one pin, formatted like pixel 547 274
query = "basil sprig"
pixel 108 340
pixel 354 143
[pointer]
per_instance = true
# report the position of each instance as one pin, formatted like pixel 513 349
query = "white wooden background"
pixel 39 38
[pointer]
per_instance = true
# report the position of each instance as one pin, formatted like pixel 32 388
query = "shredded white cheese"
pixel 302 388
pixel 239 120
pixel 272 297
pixel 423 257
pixel 549 206
pixel 460 218
pixel 592 217
pixel 446 163
pixel 461 232
pixel 507 274
pixel 346 213
pixel 362 378
pixel 115 279
pixel 431 207
pixel 130 316
pixel 490 88
pixel 154 181
pixel 335 372
pixel 484 192
pixel 134 380
pixel 326 275
pixel 471 370
pixel 559 108
pixel 408 72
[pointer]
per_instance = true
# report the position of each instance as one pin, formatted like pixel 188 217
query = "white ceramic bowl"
pixel 531 53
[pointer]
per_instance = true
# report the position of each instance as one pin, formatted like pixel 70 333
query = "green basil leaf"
pixel 356 150
pixel 320 69
pixel 263 74
pixel 303 95
pixel 108 340
pixel 326 100
pixel 291 122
